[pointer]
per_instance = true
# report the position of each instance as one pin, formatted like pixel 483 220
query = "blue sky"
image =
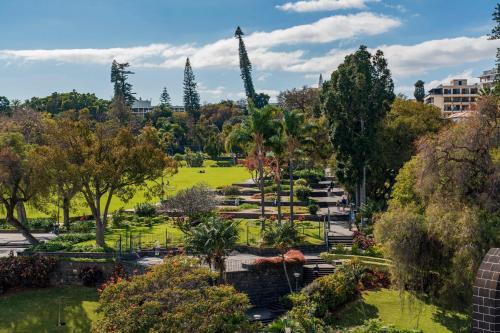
pixel 60 45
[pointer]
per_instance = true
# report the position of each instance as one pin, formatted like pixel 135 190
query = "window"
pixel 447 99
pixel 465 91
pixel 473 91
pixel 447 91
pixel 456 91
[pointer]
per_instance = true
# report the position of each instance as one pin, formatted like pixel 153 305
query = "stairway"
pixel 344 240
pixel 323 269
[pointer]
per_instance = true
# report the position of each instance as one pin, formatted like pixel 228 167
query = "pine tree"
pixel 165 97
pixel 191 96
pixel 495 34
pixel 119 76
pixel 245 66
pixel 320 81
pixel 419 91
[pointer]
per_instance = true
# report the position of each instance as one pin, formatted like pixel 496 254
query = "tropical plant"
pixel 283 237
pixel 253 135
pixel 213 239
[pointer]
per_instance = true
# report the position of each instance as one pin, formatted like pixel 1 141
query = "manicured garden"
pixel 186 177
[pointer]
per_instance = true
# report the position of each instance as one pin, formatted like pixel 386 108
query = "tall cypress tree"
pixel 320 81
pixel 419 92
pixel 245 65
pixel 495 34
pixel 355 102
pixel 191 96
pixel 122 89
pixel 165 97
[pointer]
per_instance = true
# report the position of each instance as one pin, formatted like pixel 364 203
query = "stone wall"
pixel 265 284
pixel 486 295
pixel 67 272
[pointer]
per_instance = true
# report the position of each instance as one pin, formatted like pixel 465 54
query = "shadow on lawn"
pixel 453 321
pixel 38 312
pixel 354 314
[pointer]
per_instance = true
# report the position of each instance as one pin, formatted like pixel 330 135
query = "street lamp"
pixel 296 275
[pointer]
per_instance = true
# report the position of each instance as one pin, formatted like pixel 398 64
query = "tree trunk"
pixel 20 227
pixel 66 203
pixel 99 232
pixel 286 273
pixel 106 208
pixel 278 196
pixel 99 225
pixel 261 188
pixel 362 199
pixel 290 170
pixel 357 195
pixel 21 213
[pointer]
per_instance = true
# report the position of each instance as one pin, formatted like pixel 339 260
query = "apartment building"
pixel 142 106
pixel 458 96
pixel 487 79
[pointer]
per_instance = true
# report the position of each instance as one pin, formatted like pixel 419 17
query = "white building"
pixel 487 79
pixel 458 96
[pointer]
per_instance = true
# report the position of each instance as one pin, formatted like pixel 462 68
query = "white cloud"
pixel 418 59
pixel 321 5
pixel 467 74
pixel 263 76
pixel 406 60
pixel 224 53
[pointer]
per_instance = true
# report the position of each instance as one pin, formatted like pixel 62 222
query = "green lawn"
pixel 186 177
pixel 37 310
pixel 411 314
pixel 167 230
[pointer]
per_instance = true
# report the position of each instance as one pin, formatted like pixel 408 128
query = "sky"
pixel 60 45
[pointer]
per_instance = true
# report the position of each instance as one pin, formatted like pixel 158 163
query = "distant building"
pixel 141 107
pixel 178 108
pixel 458 96
pixel 487 79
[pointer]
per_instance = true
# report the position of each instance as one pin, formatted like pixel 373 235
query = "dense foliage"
pixel 25 272
pixel 444 213
pixel 176 296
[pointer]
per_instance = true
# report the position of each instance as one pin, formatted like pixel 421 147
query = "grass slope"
pixel 37 310
pixel 410 314
pixel 186 177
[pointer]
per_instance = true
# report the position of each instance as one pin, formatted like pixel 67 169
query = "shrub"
pixel 374 251
pixel 91 276
pixel 82 226
pixel 145 210
pixel 119 217
pixel 331 291
pixel 41 224
pixel 21 271
pixel 64 242
pixel 249 206
pixel 176 296
pixel 224 164
pixel 363 241
pixel 313 209
pixel 178 157
pixel 193 159
pixel 303 193
pixel 291 257
pixel 231 190
pixel 313 176
pixel 301 182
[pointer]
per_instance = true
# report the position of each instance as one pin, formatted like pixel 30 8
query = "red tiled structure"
pixel 486 295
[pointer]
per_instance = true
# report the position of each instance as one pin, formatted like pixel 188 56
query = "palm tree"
pixel 295 132
pixel 282 237
pixel 278 145
pixel 214 239
pixel 253 135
